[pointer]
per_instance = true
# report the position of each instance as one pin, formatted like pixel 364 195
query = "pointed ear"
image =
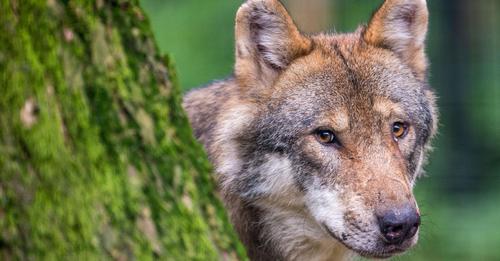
pixel 267 41
pixel 401 26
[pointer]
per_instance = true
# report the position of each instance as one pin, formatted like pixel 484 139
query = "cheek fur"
pixel 275 179
pixel 325 205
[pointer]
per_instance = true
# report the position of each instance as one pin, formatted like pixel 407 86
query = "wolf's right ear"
pixel 267 41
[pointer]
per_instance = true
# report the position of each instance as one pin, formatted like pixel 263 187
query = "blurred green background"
pixel 460 197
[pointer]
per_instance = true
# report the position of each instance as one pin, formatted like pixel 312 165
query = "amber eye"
pixel 326 137
pixel 399 130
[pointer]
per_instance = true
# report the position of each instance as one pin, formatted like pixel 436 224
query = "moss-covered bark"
pixel 97 160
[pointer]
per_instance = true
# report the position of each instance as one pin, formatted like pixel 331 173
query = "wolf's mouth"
pixel 385 252
pixel 334 236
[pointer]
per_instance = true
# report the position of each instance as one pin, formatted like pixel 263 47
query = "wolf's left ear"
pixel 267 41
pixel 401 26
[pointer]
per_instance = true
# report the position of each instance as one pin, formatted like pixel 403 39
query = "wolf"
pixel 317 140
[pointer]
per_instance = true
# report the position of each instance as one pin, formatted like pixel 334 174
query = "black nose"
pixel 399 225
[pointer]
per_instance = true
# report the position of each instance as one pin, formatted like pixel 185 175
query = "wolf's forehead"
pixel 344 74
pixel 331 99
pixel 340 80
pixel 337 88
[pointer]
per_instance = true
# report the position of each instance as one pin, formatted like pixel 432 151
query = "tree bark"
pixel 97 160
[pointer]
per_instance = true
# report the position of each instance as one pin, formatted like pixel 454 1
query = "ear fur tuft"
pixel 401 26
pixel 267 40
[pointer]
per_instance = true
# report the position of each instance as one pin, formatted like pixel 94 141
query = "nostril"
pixel 393 233
pixel 397 229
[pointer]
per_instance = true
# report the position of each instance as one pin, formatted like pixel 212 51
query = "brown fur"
pixel 258 128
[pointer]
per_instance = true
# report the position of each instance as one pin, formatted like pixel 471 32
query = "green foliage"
pixel 201 42
pixel 97 160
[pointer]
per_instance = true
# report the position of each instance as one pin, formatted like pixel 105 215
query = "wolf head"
pixel 331 129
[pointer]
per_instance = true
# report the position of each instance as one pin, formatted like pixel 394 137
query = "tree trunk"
pixel 97 160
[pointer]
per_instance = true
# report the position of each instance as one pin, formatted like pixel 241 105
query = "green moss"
pixel 97 160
